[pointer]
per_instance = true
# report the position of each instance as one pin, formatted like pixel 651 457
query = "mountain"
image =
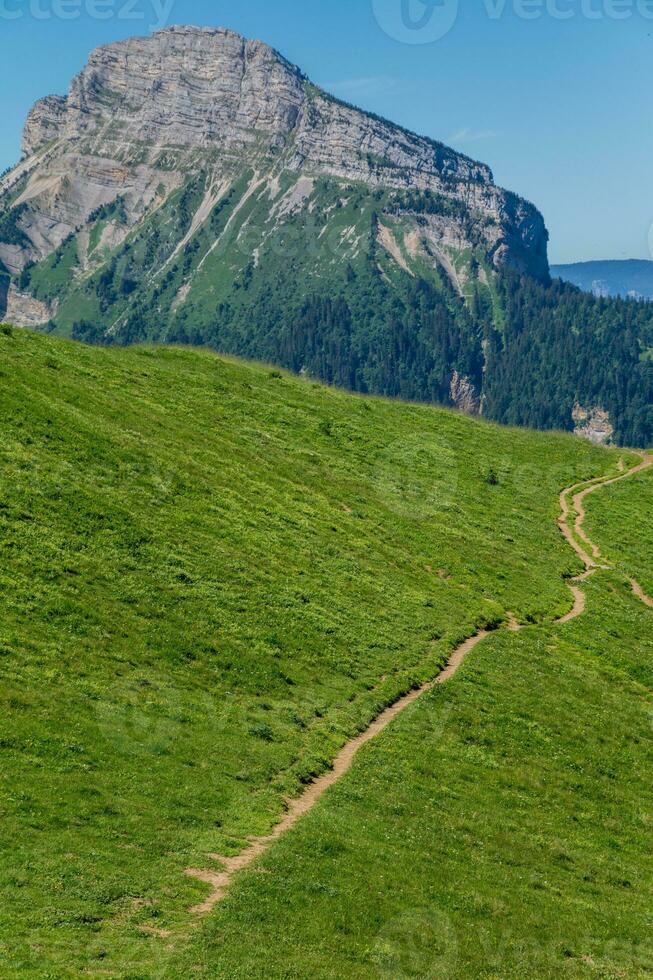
pixel 194 187
pixel 146 115
pixel 632 278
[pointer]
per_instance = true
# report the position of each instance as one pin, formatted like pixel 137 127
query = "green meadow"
pixel 500 828
pixel 213 575
pixel 621 519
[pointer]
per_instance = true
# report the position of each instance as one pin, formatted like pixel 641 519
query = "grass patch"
pixel 620 519
pixel 211 576
pixel 499 828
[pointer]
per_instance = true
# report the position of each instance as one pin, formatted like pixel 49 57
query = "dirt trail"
pixel 220 878
pixel 580 599
pixel 588 551
pixel 639 592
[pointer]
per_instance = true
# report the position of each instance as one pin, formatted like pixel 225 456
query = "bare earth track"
pixel 220 880
pixel 571 502
pixel 576 536
pixel 639 592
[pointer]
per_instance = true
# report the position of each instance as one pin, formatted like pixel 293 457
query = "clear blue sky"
pixel 560 108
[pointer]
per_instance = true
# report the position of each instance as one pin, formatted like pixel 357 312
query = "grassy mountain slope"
pixel 314 275
pixel 500 829
pixel 623 521
pixel 350 285
pixel 212 575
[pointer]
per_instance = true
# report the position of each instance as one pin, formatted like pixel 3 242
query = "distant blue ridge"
pixel 630 277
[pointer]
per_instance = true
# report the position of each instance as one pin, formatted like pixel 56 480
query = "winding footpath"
pixel 572 504
pixel 577 537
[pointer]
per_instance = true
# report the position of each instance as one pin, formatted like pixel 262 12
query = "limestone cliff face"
pixel 45 123
pixel 22 310
pixel 464 395
pixel 593 424
pixel 146 113
pixel 187 88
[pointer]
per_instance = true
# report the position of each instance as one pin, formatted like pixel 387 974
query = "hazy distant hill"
pixel 633 277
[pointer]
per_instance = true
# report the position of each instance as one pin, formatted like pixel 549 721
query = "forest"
pixel 531 355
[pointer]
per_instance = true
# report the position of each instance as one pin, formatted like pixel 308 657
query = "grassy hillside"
pixel 501 829
pixel 354 285
pixel 212 575
pixel 621 519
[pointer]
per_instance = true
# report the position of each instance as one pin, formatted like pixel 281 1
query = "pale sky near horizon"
pixel 550 93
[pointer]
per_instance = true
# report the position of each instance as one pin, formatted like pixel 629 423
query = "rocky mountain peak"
pixel 187 97
pixel 181 87
pixel 194 187
pixel 147 114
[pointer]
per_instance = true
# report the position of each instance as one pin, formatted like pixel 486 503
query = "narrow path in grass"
pixel 639 592
pixel 220 878
pixel 577 537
